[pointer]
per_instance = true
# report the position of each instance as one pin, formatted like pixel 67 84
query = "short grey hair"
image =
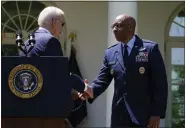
pixel 47 14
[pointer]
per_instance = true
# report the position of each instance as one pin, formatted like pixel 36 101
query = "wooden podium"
pixel 33 123
pixel 36 92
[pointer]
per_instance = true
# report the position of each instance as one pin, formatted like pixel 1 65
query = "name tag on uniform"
pixel 142 49
pixel 142 57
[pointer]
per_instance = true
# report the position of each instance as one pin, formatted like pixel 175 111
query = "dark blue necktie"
pixel 131 114
pixel 125 55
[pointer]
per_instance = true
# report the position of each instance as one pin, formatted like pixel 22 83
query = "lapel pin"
pixel 141 70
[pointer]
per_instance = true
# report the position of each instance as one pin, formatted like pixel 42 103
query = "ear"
pixel 53 22
pixel 130 27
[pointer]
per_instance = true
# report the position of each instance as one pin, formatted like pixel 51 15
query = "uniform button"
pixel 124 94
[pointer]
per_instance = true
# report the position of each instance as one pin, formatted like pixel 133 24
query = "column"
pixel 115 9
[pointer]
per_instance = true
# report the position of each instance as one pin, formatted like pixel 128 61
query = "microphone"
pixel 19 40
pixel 31 37
pixel 31 41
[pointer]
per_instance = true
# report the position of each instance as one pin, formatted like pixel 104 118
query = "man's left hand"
pixel 75 95
pixel 154 122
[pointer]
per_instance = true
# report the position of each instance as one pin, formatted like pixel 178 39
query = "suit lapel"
pixel 119 55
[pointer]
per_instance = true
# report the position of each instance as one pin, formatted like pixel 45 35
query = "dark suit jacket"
pixel 146 93
pixel 47 45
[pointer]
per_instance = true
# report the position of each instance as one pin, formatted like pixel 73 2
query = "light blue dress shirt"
pixel 130 45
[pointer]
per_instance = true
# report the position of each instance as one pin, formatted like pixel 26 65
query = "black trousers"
pixel 124 123
pixel 121 118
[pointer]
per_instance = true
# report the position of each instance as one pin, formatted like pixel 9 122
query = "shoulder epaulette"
pixel 148 41
pixel 112 46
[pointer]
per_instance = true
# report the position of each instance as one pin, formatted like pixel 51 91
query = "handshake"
pixel 88 92
pixel 78 84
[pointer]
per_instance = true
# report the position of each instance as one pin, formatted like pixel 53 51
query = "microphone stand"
pixel 25 48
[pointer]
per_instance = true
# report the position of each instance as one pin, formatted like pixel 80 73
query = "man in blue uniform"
pixel 140 89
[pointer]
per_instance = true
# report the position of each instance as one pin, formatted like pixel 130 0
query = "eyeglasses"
pixel 62 23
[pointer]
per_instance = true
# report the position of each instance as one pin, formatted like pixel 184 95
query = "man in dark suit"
pixel 140 89
pixel 50 21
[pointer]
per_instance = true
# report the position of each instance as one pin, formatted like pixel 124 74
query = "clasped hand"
pixel 88 92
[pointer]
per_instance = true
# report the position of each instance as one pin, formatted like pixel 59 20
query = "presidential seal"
pixel 25 81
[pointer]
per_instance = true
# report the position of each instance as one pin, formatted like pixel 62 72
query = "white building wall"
pixel 89 21
pixel 152 20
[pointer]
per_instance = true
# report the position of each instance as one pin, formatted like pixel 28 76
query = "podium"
pixel 36 89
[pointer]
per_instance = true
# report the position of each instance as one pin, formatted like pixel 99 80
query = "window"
pixel 178 25
pixel 22 15
pixel 178 87
pixel 18 15
pixel 176 71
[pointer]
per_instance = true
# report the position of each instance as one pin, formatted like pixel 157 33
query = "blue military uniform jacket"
pixel 47 45
pixel 142 86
